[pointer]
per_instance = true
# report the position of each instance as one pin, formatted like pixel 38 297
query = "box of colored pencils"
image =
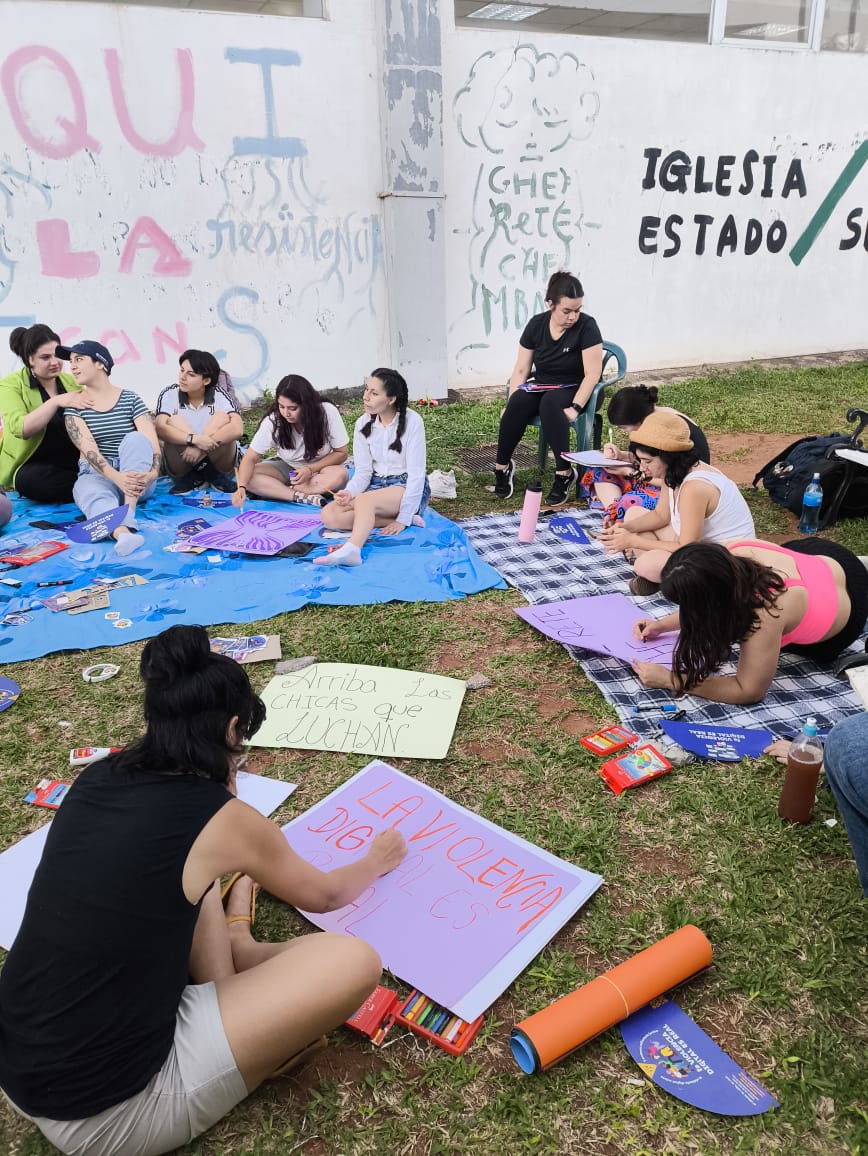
pixel 435 1023
pixel 376 1015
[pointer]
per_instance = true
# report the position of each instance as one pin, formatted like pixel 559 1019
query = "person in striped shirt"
pixel 115 435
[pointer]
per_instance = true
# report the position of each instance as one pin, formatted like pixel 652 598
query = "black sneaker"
pixel 185 484
pixel 560 491
pixel 225 483
pixel 503 486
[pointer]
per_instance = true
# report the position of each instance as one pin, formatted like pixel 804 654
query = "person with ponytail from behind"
pixel 618 487
pixel 135 1010
pixel 389 488
pixel 36 456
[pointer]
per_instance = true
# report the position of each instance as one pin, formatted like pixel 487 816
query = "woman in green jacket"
pixel 36 456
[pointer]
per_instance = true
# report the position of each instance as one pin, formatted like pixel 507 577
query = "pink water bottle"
pixel 530 513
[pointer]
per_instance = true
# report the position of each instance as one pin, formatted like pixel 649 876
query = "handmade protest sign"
pixel 368 710
pixel 678 1056
pixel 468 908
pixel 256 532
pixel 602 623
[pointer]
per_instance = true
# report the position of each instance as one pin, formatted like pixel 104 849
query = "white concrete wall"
pixel 147 198
pixel 139 205
pixel 545 166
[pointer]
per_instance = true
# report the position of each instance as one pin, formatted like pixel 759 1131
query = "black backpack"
pixel 786 476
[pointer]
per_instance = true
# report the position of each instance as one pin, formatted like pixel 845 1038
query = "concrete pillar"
pixel 413 190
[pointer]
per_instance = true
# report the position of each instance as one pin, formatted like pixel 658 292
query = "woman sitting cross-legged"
pixel 199 426
pixel 619 486
pixel 115 435
pixel 808 597
pixel 135 1011
pixel 697 502
pixel 311 443
pixel 389 488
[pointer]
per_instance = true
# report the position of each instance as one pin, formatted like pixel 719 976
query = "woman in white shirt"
pixel 311 443
pixel 697 502
pixel 389 488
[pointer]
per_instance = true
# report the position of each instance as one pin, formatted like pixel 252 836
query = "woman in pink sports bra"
pixel 808 596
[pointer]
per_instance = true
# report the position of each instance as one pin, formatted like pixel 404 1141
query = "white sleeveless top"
pixel 731 519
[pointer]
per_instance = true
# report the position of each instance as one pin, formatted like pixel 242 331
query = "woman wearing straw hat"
pixel 698 503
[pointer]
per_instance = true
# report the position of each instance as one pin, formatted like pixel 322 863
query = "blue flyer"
pixel 677 1055
pixel 95 529
pixel 723 744
pixel 9 693
pixel 568 528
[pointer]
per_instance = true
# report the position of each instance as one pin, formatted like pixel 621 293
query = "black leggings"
pixel 45 482
pixel 549 407
pixel 856 580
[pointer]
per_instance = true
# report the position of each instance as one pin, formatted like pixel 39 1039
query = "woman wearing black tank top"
pixel 135 1010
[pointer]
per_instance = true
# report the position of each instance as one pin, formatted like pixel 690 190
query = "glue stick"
pixel 81 756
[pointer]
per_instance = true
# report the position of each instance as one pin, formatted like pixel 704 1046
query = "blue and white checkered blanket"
pixel 552 569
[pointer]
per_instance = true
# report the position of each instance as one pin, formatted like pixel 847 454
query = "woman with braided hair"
pixel 389 488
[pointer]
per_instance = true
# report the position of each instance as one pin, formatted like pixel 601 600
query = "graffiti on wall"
pixel 231 246
pixel 526 113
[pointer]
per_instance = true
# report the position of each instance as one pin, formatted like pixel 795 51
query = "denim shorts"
pixel 382 482
pixel 196 1086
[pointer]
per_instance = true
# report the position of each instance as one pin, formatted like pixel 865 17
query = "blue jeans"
pixel 95 494
pixel 846 763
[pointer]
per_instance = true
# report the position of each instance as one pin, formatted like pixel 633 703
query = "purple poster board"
pixel 257 532
pixel 467 910
pixel 602 623
pixel 678 1056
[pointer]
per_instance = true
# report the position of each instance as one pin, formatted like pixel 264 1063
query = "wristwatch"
pixel 189 439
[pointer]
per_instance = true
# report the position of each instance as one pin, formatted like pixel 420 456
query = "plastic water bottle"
pixel 809 523
pixel 530 513
pixel 804 762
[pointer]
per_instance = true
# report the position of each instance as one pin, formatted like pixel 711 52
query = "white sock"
pixel 346 555
pixel 126 543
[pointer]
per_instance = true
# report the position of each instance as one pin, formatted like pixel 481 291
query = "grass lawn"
pixel 788 994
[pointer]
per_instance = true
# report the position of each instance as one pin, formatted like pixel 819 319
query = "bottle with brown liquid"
pixel 804 763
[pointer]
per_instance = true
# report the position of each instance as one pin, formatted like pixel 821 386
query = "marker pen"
pixel 646 708
pixel 57 582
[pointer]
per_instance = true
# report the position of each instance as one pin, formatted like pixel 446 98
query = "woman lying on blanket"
pixel 618 487
pixel 115 435
pixel 808 597
pixel 36 456
pixel 311 443
pixel 134 1010
pixel 389 488
pixel 697 502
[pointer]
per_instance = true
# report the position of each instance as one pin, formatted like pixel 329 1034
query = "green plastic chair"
pixel 588 426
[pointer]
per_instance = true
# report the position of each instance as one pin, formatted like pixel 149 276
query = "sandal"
pixel 224 895
pixel 300 1058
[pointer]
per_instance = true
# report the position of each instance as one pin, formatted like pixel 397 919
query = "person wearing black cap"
pixel 115 435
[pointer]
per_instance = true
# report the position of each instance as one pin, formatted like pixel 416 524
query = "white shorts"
pixel 196 1086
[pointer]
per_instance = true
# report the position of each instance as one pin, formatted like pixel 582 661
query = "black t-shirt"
pixel 55 449
pixel 559 362
pixel 700 441
pixel 90 990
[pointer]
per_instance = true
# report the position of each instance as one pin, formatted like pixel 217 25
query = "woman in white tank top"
pixel 698 502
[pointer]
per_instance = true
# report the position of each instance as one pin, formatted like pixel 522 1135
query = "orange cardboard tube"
pixel 550 1034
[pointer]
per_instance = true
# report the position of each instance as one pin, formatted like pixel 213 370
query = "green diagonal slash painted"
pixel 821 218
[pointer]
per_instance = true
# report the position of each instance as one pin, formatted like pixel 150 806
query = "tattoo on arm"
pixel 95 458
pixel 72 429
pixel 156 462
